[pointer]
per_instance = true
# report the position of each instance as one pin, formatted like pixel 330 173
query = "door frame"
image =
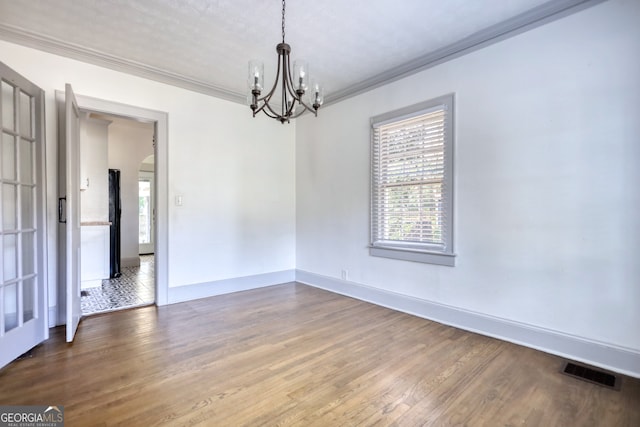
pixel 161 227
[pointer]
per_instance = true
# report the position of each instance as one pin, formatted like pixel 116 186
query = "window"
pixel 412 183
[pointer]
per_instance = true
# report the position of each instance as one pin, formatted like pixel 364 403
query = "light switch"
pixel 178 200
pixel 84 184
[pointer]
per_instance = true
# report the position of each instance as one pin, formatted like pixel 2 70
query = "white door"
pixel 146 213
pixel 23 302
pixel 69 208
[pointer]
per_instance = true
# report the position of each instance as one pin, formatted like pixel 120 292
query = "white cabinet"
pixel 94 260
pixel 94 201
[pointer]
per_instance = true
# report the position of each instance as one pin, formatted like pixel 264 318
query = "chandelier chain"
pixel 283 21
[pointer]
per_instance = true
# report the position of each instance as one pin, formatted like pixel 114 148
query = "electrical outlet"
pixel 345 274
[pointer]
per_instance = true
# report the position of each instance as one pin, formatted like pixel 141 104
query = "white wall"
pixel 94 198
pixel 236 173
pixel 547 223
pixel 130 142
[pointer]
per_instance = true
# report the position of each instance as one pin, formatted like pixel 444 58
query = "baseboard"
pixel 226 286
pixel 614 358
pixel 86 284
pixel 130 262
pixel 53 316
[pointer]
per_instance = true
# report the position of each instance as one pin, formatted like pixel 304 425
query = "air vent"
pixel 594 376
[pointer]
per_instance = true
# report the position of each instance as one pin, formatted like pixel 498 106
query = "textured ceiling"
pixel 205 44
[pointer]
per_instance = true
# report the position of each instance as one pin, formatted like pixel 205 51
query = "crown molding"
pixel 55 46
pixel 547 12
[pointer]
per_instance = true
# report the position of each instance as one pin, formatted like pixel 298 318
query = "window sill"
pixel 437 258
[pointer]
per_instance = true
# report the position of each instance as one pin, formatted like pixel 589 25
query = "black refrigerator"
pixel 115 211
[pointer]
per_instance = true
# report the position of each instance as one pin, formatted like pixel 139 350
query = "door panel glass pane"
pixel 10 307
pixel 10 255
pixel 9 207
pixel 25 114
pixel 28 253
pixel 28 299
pixel 8 112
pixel 26 207
pixel 8 157
pixel 26 161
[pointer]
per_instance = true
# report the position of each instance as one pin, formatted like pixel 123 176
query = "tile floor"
pixel 134 288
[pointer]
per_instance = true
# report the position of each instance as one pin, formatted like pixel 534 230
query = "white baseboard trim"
pixel 86 284
pixel 226 286
pixel 611 357
pixel 53 316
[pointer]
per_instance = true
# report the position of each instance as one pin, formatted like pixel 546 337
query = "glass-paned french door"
pixel 18 261
pixel 22 305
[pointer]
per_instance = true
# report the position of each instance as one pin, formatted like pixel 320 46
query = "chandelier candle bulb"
pixel 256 75
pixel 316 95
pixel 301 76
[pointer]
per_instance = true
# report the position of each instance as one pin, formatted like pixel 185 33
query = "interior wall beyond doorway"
pixel 130 142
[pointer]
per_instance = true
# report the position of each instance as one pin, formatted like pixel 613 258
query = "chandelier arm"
pixel 270 114
pixel 257 110
pixel 264 101
pixel 268 96
pixel 268 108
pixel 289 80
pixel 284 108
pixel 298 114
pixel 307 108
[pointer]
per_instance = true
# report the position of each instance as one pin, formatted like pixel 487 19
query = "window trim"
pixel 411 251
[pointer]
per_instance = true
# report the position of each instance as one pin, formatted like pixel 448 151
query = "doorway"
pixel 159 120
pixel 112 149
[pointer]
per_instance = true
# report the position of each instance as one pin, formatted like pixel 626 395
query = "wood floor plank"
pixel 293 355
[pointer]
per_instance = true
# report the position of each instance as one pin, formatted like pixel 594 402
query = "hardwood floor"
pixel 296 355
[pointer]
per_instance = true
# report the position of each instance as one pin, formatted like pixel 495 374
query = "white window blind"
pixel 411 178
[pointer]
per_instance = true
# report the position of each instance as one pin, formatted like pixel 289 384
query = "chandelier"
pixel 292 90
